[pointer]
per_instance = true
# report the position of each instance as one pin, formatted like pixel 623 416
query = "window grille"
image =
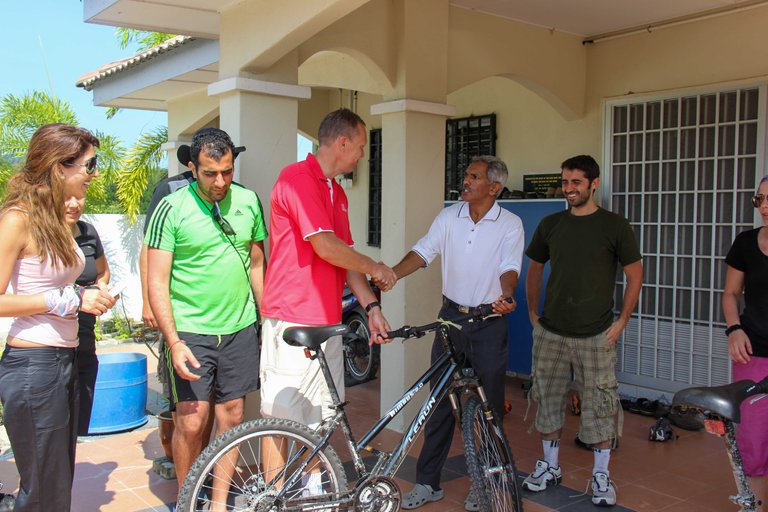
pixel 465 138
pixel 682 170
pixel 374 189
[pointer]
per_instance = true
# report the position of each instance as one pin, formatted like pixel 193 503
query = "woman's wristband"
pixel 64 301
pixel 370 306
pixel 175 343
pixel 733 328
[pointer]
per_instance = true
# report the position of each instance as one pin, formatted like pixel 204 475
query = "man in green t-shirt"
pixel 576 331
pixel 206 268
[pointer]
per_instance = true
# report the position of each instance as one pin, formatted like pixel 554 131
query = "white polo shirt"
pixel 474 256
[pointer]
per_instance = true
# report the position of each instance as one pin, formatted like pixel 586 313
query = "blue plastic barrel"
pixel 120 394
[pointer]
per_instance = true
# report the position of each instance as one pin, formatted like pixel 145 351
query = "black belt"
pixel 458 307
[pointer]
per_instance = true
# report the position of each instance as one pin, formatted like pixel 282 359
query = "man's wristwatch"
pixel 370 306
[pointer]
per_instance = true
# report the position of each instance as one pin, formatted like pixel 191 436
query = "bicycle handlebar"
pixel 479 314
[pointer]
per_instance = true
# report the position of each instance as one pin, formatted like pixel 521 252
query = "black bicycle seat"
pixel 722 401
pixel 312 337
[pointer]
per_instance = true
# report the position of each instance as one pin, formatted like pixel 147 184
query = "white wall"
pixel 122 245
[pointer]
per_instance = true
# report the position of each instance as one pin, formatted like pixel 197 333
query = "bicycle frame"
pixel 452 377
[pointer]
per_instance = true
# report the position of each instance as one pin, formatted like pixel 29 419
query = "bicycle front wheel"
pixel 246 468
pixel 489 460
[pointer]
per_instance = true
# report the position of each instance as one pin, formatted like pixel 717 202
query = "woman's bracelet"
pixel 733 328
pixel 176 343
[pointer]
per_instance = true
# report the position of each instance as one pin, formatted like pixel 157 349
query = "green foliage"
pixel 20 116
pixel 7 169
pixel 143 160
pixel 123 328
pixel 123 174
pixel 144 40
pixel 110 112
pixel 97 331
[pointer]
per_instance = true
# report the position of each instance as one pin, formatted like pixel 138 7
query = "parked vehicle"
pixel 361 361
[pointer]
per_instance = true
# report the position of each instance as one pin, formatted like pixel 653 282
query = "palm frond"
pixel 143 160
pixel 20 116
pixel 7 169
pixel 144 40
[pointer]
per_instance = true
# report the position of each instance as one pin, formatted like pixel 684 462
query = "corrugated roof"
pixel 89 79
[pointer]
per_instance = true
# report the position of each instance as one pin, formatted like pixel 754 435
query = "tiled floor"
pixel 114 472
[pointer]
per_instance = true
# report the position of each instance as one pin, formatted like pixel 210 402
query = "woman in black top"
pixel 96 273
pixel 747 330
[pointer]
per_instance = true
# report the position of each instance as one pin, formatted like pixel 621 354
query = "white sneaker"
pixel 543 476
pixel 603 492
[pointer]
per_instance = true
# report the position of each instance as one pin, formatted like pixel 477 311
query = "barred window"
pixel 374 189
pixel 681 169
pixel 466 138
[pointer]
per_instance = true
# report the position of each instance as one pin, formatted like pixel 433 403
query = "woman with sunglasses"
pixel 96 273
pixel 747 331
pixel 40 261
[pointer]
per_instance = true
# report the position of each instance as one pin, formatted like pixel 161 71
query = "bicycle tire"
pixel 248 489
pixel 490 463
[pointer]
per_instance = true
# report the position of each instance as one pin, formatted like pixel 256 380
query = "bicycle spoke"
pixel 249 467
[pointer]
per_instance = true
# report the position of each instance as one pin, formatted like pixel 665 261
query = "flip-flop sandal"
pixel 644 406
pixel 635 405
pixel 661 410
pixel 421 494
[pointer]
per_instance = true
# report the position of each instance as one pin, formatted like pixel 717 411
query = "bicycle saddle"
pixel 312 337
pixel 722 401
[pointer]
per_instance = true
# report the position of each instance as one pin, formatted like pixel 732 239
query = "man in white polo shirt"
pixel 481 245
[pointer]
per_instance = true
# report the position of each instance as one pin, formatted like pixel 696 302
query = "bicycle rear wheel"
pixel 236 473
pixel 489 460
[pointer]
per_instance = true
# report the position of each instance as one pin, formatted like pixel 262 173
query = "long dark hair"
pixel 38 190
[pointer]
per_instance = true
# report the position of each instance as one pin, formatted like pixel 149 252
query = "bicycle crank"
pixel 378 494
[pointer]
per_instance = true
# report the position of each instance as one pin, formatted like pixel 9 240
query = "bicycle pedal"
pixel 164 468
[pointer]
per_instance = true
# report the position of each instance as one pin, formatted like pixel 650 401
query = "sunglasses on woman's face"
pixel 89 165
pixel 758 200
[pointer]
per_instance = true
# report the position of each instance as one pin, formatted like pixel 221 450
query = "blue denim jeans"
pixel 38 389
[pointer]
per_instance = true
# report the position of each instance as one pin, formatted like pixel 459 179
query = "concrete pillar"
pixel 413 178
pixel 413 163
pixel 262 116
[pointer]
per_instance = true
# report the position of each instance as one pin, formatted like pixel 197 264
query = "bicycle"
pixel 720 407
pixel 232 474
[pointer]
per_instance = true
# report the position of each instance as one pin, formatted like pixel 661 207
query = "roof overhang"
pixel 198 18
pixel 157 75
